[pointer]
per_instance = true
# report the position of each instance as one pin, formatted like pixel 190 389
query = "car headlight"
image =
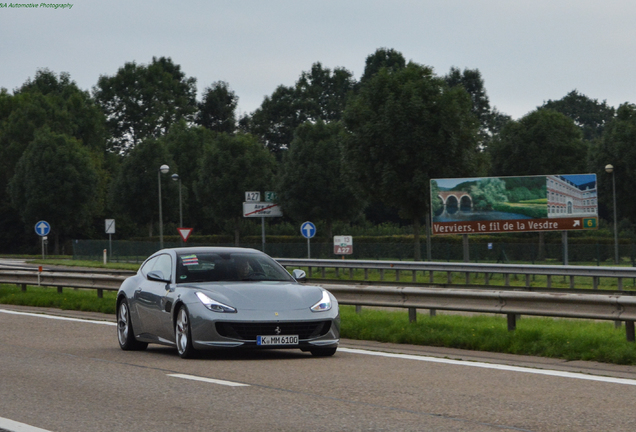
pixel 324 304
pixel 214 305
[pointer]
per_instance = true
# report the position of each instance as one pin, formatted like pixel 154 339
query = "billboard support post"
pixel 564 241
pixel 466 248
pixel 428 237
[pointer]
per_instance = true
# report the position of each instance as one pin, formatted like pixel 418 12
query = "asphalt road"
pixel 61 375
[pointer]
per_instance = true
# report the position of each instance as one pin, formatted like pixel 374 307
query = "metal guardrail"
pixel 550 271
pixel 511 303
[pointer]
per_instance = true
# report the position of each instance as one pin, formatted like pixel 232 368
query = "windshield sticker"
pixel 189 260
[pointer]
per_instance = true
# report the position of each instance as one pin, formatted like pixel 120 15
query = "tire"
pixel 183 334
pixel 125 332
pixel 323 352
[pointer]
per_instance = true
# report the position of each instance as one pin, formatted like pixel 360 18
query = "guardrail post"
pixel 414 275
pixel 595 282
pixel 366 274
pixel 431 276
pixel 467 278
pixel 412 315
pixel 571 282
pixel 449 278
pixel 60 290
pixel 620 284
pixel 309 271
pixel 527 281
pixel 397 275
pixel 358 309
pixel 432 312
pixel 23 287
pixel 512 322
pixel 486 278
pixel 100 293
pixel 351 273
pixel 322 272
pixel 629 330
pixel 337 272
pixel 381 274
pixel 549 283
pixel 507 278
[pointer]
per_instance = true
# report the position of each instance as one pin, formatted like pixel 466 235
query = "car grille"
pixel 249 330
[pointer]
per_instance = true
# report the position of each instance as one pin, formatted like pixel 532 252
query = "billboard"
pixel 488 205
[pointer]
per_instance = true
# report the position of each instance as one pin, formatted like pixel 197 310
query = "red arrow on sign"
pixel 185 233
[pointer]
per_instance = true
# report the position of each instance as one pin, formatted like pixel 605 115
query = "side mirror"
pixel 299 275
pixel 157 275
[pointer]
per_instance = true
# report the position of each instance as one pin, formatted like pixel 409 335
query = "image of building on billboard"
pixel 486 205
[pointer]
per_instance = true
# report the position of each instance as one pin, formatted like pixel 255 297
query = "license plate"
pixel 277 340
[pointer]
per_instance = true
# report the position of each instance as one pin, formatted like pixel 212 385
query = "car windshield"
pixel 231 266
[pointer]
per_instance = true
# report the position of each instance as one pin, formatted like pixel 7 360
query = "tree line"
pixel 335 149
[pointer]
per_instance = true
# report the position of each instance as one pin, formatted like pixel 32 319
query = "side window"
pixel 164 265
pixel 147 266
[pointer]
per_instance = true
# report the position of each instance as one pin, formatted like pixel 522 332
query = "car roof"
pixel 211 249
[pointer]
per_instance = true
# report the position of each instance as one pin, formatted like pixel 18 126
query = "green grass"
pixel 546 337
pixel 70 299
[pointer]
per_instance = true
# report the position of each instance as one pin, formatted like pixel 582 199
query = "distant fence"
pixel 137 251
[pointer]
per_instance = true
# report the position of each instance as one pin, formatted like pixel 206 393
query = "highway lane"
pixel 62 375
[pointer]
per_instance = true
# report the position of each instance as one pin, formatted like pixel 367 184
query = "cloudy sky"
pixel 527 51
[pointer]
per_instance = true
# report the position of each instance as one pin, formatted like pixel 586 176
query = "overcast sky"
pixel 527 51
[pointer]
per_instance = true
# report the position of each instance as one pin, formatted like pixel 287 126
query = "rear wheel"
pixel 323 352
pixel 125 332
pixel 183 335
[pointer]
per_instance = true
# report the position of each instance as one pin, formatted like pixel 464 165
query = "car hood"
pixel 261 295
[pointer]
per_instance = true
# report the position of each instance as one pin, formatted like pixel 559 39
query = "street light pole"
pixel 610 169
pixel 176 178
pixel 163 169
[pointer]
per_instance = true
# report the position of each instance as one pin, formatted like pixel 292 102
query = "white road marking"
pixel 14 426
pixel 209 380
pixel 58 317
pixel 548 372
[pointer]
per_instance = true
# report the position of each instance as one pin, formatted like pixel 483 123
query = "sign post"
pixel 308 230
pixel 342 245
pixel 42 228
pixel 253 207
pixel 110 230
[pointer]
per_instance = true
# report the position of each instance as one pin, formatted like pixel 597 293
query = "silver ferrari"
pixel 215 298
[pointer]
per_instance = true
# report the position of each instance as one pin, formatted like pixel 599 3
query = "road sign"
pixel 342 245
pixel 271 196
pixel 42 228
pixel 261 209
pixel 308 229
pixel 252 196
pixel 110 226
pixel 184 233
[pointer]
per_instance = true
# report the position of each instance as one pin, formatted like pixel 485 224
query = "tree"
pixel 382 58
pixel 590 115
pixel 542 142
pixel 490 120
pixel 231 166
pixel 135 190
pixel 55 103
pixel 318 94
pixel 406 126
pixel 618 148
pixel 311 186
pixel 144 101
pixel 216 109
pixel 55 180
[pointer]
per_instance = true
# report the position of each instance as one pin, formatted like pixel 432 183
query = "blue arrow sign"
pixel 308 229
pixel 42 228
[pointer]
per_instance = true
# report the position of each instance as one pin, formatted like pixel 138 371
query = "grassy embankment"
pixel 557 338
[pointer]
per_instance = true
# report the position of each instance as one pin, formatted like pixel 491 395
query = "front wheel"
pixel 125 332
pixel 323 352
pixel 183 335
